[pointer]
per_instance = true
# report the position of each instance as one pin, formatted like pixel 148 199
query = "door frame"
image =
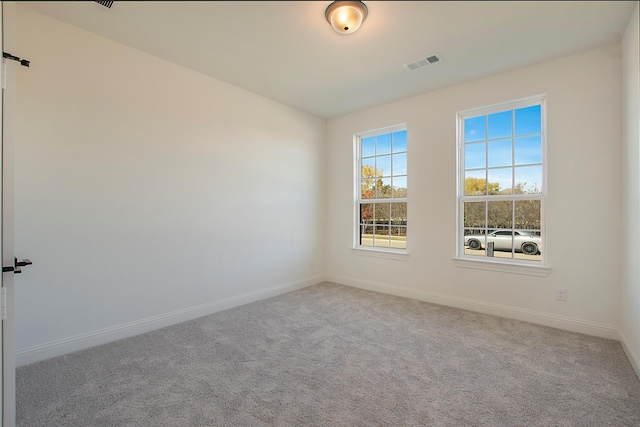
pixel 7 135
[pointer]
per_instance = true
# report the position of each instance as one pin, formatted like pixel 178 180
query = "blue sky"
pixel 384 144
pixel 496 143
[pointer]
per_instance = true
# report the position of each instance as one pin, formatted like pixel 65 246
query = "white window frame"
pixel 375 251
pixel 538 268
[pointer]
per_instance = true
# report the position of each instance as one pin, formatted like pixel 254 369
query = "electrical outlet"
pixel 561 294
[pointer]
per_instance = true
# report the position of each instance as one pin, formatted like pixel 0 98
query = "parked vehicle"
pixel 523 241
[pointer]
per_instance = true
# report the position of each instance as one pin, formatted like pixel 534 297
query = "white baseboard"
pixel 63 346
pixel 540 318
pixel 631 355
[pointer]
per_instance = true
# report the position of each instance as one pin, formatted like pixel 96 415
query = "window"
pixel 501 190
pixel 381 192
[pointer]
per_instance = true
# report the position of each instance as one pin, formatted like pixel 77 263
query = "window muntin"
pixel 381 199
pixel 501 194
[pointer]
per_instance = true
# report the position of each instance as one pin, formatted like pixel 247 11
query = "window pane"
pixel 527 213
pixel 383 165
pixel 528 120
pixel 399 213
pixel 368 188
pixel 399 237
pixel 399 187
pixel 474 242
pixel 399 164
pixel 399 141
pixel 529 179
pixel 381 236
pixel 366 213
pixel 475 129
pixel 383 144
pixel 475 156
pixel 500 125
pixel 499 215
pixel 383 191
pixel 368 175
pixel 366 235
pixel 528 245
pixel 500 153
pixel 475 183
pixel 500 181
pixel 368 147
pixel 528 150
pixel 381 213
pixel 368 167
pixel 500 244
pixel 475 214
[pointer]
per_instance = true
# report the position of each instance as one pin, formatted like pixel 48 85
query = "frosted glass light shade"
pixel 346 16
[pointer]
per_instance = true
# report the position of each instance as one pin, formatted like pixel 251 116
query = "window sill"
pixel 506 267
pixel 381 253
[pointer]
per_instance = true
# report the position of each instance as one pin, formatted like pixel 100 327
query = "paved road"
pixel 500 254
pixel 402 244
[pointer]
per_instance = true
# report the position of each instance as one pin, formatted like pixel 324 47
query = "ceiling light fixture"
pixel 346 16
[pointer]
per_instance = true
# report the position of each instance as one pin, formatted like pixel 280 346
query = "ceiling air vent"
pixel 422 62
pixel 105 3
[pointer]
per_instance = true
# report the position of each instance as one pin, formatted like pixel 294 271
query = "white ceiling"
pixel 286 50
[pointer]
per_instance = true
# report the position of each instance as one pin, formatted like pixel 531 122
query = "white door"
pixel 8 111
pixel 2 298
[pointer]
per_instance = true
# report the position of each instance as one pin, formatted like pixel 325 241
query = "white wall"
pixel 630 301
pixel 583 208
pixel 147 193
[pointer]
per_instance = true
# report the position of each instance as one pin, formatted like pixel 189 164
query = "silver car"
pixel 523 241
